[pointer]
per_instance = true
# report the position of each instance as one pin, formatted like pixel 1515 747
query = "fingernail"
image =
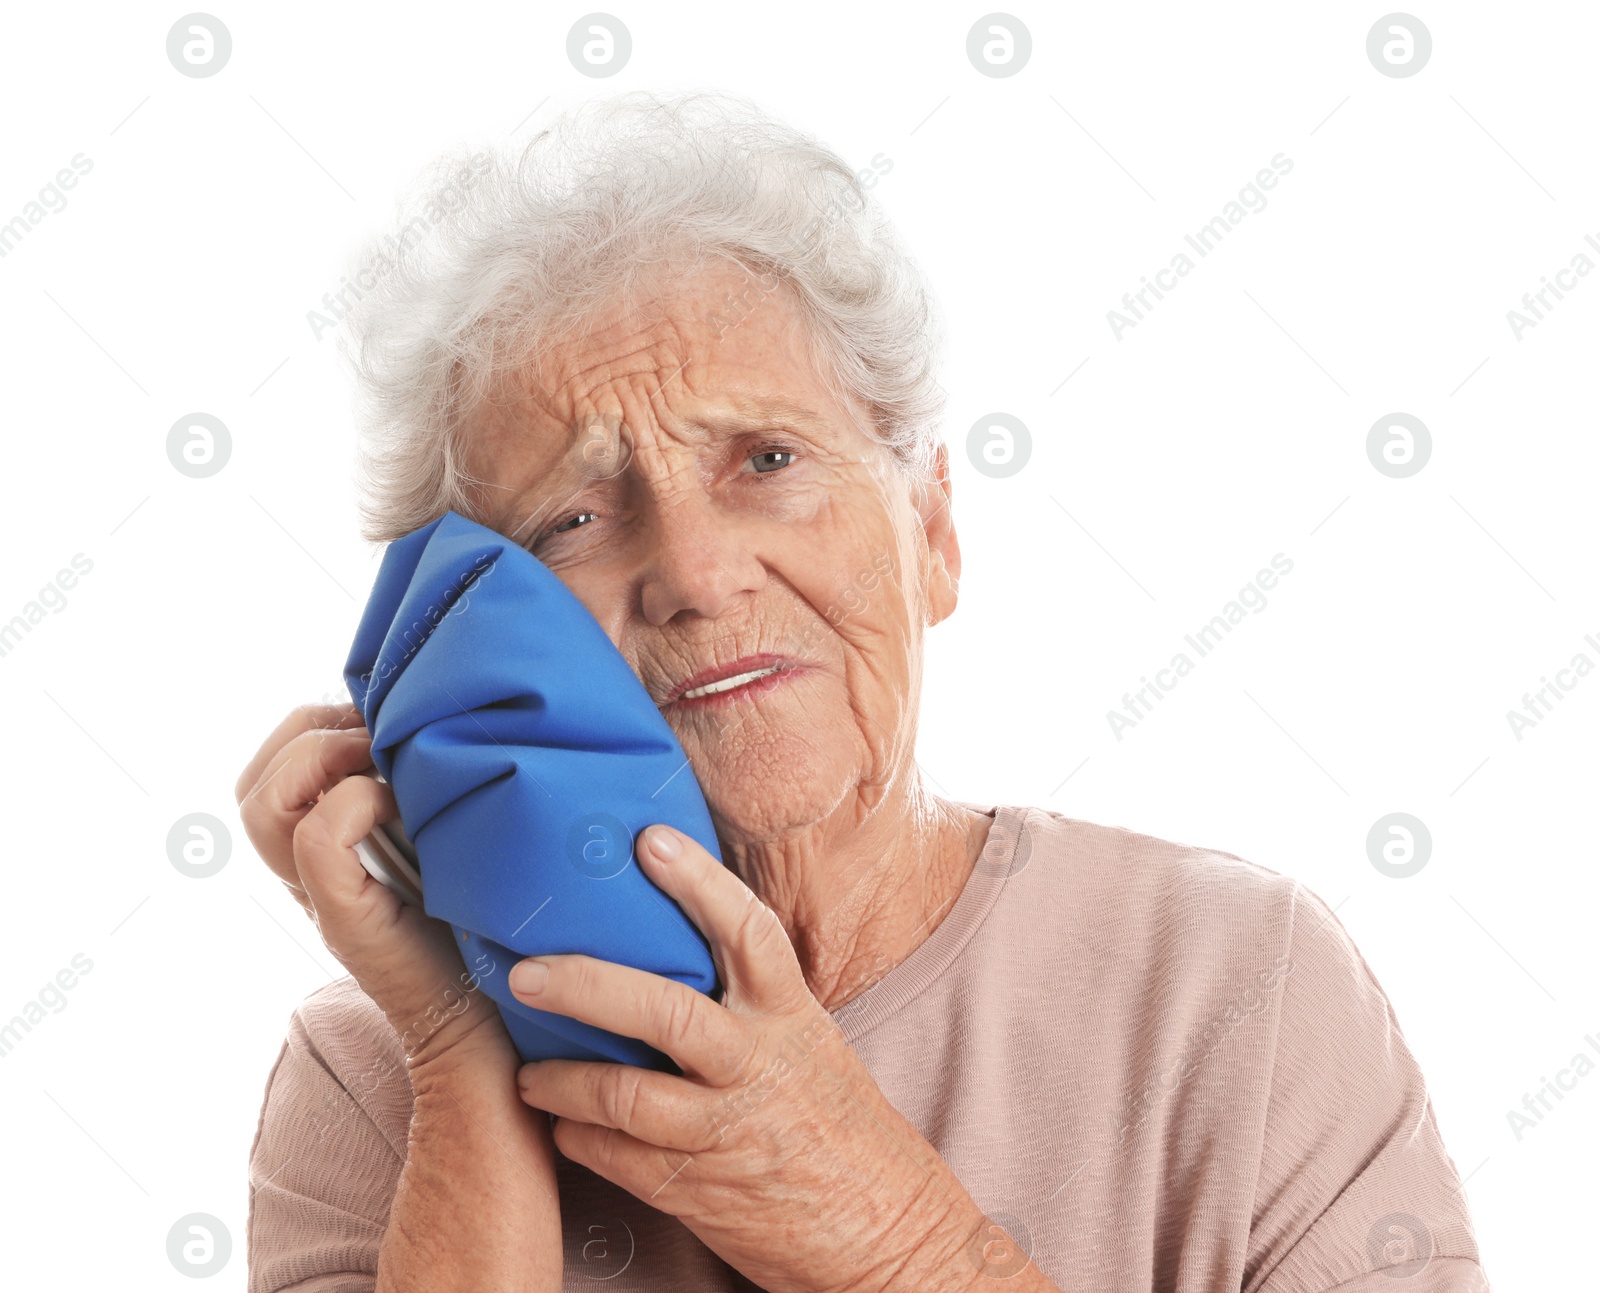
pixel 527 978
pixel 664 844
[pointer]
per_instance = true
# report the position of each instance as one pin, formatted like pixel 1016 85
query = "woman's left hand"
pixel 775 1147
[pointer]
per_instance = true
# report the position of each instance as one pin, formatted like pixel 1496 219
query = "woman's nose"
pixel 699 560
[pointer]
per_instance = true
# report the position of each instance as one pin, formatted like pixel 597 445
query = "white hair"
pixel 498 254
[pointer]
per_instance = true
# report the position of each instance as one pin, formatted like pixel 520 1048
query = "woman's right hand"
pixel 304 807
pixel 477 1205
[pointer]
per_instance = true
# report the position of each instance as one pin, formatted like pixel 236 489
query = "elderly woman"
pixel 673 349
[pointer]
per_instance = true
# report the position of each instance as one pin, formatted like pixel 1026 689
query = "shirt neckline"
pixel 935 954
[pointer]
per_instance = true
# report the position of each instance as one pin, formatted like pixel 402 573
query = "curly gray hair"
pixel 498 254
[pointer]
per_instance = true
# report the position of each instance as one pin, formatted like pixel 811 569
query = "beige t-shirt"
pixel 1159 1067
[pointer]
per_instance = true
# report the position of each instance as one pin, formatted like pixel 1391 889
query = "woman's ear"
pixel 939 528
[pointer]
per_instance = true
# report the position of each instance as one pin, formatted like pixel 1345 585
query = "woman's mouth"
pixel 732 682
pixel 727 684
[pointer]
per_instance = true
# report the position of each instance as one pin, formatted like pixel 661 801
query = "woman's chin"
pixel 761 795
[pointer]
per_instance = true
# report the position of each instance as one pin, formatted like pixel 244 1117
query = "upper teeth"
pixel 728 684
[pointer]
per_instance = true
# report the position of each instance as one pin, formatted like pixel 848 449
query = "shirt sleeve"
pixel 1356 1192
pixel 328 1150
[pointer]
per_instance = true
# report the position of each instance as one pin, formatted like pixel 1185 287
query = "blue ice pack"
pixel 525 756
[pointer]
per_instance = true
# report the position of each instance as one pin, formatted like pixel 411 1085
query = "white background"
pixel 1229 425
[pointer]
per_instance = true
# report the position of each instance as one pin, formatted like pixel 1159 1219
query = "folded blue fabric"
pixel 525 756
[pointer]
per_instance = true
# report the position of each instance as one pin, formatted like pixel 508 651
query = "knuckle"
pixel 304 720
pixel 255 794
pixel 758 925
pixel 619 1096
pixel 679 1012
pixel 596 1149
pixel 311 747
pixel 751 1064
pixel 317 713
pixel 252 815
pixel 314 834
pixel 579 972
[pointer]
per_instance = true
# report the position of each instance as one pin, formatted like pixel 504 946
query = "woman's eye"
pixel 766 462
pixel 772 459
pixel 572 523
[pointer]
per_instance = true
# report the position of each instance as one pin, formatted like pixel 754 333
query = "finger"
pixel 407 962
pixel 308 765
pixel 703 1038
pixel 752 952
pixel 655 1108
pixel 302 718
pixel 648 1172
pixel 346 897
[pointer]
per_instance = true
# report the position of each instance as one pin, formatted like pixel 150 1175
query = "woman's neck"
pixel 863 888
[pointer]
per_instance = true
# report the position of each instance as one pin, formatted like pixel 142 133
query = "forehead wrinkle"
pixel 635 328
pixel 545 492
pixel 650 337
pixel 630 363
pixel 653 462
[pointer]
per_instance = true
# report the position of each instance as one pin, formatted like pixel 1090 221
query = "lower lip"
pixel 719 699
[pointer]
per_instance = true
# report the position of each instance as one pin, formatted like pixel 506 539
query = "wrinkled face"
pixel 683 469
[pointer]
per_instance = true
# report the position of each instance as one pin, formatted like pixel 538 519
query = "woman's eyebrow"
pixel 539 499
pixel 746 415
pixel 754 414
